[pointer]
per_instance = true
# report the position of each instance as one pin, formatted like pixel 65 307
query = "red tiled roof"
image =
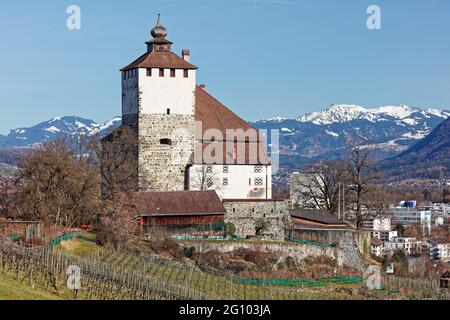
pixel 179 203
pixel 376 242
pixel 159 59
pixel 214 115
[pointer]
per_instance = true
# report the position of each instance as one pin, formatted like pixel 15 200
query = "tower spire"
pixel 159 41
pixel 159 31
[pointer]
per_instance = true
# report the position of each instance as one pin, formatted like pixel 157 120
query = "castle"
pixel 187 139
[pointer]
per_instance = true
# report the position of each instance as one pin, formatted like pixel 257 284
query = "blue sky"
pixel 260 57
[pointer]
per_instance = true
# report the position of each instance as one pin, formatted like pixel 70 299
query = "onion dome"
pixel 159 31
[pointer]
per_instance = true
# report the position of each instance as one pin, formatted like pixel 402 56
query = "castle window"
pixel 225 182
pixel 149 72
pixel 172 73
pixel 124 75
pixel 209 169
pixel 258 169
pixel 168 111
pixel 259 182
pixel 161 72
pixel 165 142
pixel 186 73
pixel 225 169
pixel 234 210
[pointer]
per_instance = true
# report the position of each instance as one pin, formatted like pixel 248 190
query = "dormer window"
pixel 161 72
pixel 165 141
pixel 172 73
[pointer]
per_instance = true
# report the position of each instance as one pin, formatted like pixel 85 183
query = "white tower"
pixel 158 102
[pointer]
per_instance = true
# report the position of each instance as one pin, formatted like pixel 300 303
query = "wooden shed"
pixel 181 212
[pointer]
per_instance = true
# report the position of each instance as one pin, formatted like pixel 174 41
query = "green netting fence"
pixel 304 282
pixel 64 237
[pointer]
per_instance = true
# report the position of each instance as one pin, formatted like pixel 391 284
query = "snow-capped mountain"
pixel 388 130
pixel 342 113
pixel 54 128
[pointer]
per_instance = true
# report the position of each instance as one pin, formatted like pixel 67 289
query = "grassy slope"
pixel 10 289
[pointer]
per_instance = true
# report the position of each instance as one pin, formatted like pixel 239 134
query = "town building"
pixel 438 249
pixel 407 216
pixel 380 228
pixel 376 247
pixel 409 245
pixel 384 235
pixel 187 139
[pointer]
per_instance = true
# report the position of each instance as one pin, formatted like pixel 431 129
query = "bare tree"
pixel 377 200
pixel 57 185
pixel 320 186
pixel 116 160
pixel 7 197
pixel 118 222
pixel 360 180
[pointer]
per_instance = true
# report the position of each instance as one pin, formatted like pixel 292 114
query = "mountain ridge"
pixel 327 134
pixel 388 130
pixel 28 137
pixel 428 158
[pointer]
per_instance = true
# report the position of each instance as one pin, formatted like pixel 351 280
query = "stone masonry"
pixel 245 214
pixel 162 167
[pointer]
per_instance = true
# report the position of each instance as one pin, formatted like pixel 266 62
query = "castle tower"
pixel 158 103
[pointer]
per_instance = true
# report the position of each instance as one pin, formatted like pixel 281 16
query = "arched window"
pixel 165 141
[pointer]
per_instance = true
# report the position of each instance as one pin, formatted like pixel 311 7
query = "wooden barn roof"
pixel 178 203
pixel 319 216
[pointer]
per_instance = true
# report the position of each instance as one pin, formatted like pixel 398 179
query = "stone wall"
pixel 351 242
pixel 245 215
pixel 163 167
pixel 298 252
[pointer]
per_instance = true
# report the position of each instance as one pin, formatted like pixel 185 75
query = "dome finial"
pixel 159 31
